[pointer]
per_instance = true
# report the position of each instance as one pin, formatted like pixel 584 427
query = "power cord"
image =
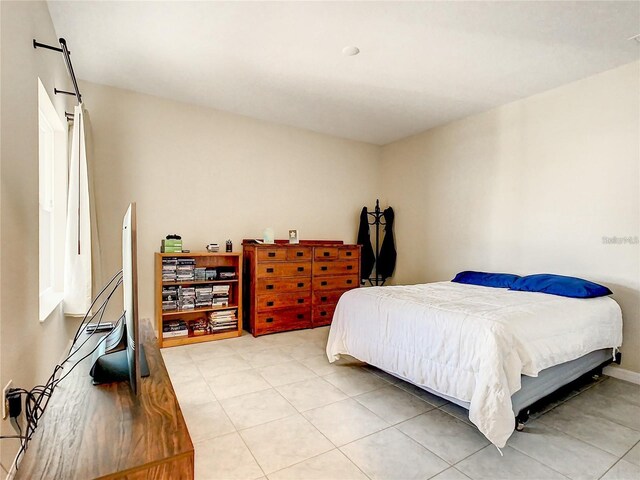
pixel 37 399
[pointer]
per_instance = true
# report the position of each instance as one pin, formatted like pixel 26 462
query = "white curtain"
pixel 77 262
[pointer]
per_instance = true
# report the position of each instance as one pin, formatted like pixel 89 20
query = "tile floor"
pixel 273 407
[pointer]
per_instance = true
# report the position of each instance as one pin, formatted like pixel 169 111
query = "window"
pixel 52 192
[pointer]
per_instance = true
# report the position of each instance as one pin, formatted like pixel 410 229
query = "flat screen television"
pixel 120 355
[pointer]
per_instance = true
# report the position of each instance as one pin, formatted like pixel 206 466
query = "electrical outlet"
pixel 5 402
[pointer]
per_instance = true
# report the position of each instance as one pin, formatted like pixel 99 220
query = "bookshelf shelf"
pixel 228 261
pixel 202 282
pixel 168 313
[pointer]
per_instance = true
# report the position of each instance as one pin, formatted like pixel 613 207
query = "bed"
pixel 491 350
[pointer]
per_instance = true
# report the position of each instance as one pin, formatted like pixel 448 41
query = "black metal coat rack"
pixel 67 60
pixel 376 219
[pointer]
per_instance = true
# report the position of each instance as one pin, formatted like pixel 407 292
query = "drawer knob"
pixel 269 320
pixel 323 299
pixel 324 269
pixel 269 287
pixel 299 254
pixel 326 254
pixel 301 316
pixel 301 300
pixel 269 304
pixel 323 283
pixel 349 254
pixel 269 270
pixel 349 267
pixel 349 282
pixel 301 269
pixel 271 254
pixel 323 314
pixel 300 285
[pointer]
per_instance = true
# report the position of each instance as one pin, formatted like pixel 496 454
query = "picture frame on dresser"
pixel 296 286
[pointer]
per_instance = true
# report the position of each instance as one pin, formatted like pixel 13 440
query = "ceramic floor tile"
pixel 614 387
pixel 225 458
pixel 285 373
pixel 265 358
pixel 222 365
pixel 457 411
pixel 345 421
pixel 383 375
pixel 390 454
pixel 282 443
pixel 563 453
pixel 238 383
pixel 422 394
pixel 355 381
pixel 330 465
pixel 206 421
pixel 321 366
pixel 592 429
pixel 446 436
pixel 634 455
pixel 311 393
pixel 612 408
pixel 623 470
pixel 176 357
pixel 305 350
pixel 393 404
pixel 180 374
pixel 256 408
pixel 202 352
pixel 450 474
pixel 193 392
pixel 488 464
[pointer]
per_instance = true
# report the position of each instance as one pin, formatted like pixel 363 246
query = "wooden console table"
pixel 106 432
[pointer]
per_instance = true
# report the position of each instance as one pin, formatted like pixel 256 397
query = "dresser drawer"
pixel 270 301
pixel 325 253
pixel 323 314
pixel 289 319
pixel 347 253
pixel 327 297
pixel 298 253
pixel 272 254
pixel 284 269
pixel 338 267
pixel 335 283
pixel 277 285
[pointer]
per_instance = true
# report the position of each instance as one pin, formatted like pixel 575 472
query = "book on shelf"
pixel 174 328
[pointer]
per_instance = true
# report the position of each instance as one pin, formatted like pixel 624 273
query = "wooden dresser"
pixel 289 287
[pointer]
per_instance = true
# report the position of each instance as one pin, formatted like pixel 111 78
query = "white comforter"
pixel 470 342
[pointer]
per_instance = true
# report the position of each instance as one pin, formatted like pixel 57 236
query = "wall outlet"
pixel 5 401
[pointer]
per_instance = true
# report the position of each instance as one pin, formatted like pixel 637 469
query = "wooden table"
pixel 105 431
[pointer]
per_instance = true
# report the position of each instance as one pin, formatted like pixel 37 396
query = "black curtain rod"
pixel 67 60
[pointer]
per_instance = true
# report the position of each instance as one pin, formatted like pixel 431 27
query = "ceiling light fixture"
pixel 350 51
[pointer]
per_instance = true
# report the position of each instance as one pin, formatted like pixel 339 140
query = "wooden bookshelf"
pixel 202 259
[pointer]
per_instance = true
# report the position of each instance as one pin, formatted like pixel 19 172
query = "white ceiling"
pixel 421 64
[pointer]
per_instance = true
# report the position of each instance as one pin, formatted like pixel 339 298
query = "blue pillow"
pixel 498 280
pixel 560 285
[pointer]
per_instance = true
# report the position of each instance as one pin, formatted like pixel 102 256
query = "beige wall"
pixel 29 349
pixel 210 176
pixel 529 187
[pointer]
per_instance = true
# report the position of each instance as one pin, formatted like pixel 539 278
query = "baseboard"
pixel 622 374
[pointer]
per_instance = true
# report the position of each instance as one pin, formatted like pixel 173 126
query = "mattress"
pixel 471 343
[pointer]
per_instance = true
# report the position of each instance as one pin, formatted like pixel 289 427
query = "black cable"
pixel 37 399
pixel 90 353
pixel 80 327
pixel 101 312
